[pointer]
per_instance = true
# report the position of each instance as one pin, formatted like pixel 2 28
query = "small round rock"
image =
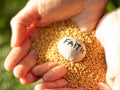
pixel 71 49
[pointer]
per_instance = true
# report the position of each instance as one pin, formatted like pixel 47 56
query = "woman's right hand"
pixel 108 33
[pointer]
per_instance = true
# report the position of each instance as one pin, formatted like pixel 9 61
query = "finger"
pixel 40 70
pixel 25 65
pixel 103 86
pixel 23 20
pixel 16 55
pixel 56 84
pixel 116 85
pixel 29 78
pixel 55 73
pixel 79 88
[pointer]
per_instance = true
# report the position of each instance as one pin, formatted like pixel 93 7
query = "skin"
pixel 40 13
pixel 108 33
pixel 21 61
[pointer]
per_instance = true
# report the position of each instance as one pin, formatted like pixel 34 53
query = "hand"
pixel 53 79
pixel 41 12
pixel 108 32
pixel 21 61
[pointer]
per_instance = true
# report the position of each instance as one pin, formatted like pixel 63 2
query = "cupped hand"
pixel 53 79
pixel 42 12
pixel 108 32
pixel 21 61
pixel 38 13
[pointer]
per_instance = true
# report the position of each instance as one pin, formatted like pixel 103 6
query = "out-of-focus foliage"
pixel 113 4
pixel 9 8
pixel 116 3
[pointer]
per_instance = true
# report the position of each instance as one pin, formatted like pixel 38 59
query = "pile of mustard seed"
pixel 87 72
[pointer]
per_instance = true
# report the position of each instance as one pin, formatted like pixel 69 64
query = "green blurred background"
pixel 8 8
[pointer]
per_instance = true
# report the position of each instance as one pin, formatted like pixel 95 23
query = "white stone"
pixel 71 49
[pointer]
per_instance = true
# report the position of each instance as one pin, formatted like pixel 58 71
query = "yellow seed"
pixel 89 71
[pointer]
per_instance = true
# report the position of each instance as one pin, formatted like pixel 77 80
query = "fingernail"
pixel 97 87
pixel 34 72
pixel 78 23
pixel 7 66
pixel 65 82
pixel 99 84
pixel 83 29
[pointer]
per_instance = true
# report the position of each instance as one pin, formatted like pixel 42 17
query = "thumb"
pixel 102 86
pixel 22 21
pixel 116 85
